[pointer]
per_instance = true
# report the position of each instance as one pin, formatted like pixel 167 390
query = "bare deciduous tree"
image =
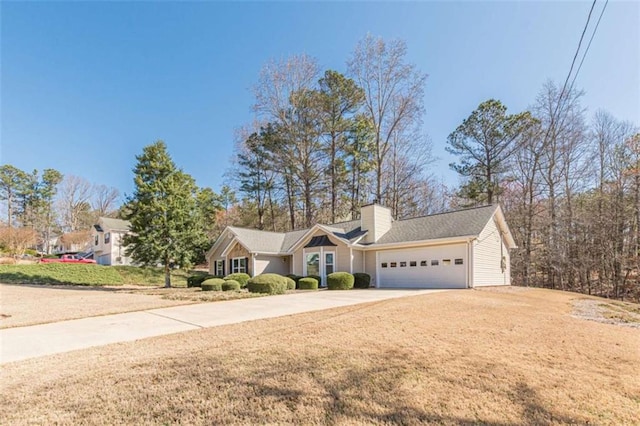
pixel 394 95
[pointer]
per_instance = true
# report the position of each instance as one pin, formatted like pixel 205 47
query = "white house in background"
pixel 108 247
pixel 459 249
pixel 73 242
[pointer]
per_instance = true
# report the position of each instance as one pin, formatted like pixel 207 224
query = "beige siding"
pixel 271 265
pixel 370 265
pixel 297 262
pixel 487 253
pixel 358 261
pixel 376 220
pixel 343 257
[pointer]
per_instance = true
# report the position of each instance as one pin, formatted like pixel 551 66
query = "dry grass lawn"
pixel 22 305
pixel 510 356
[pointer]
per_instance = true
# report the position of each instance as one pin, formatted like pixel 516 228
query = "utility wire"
pixel 588 45
pixel 566 81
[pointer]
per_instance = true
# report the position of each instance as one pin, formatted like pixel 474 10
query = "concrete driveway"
pixel 39 340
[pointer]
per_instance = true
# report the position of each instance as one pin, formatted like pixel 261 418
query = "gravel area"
pixel 617 313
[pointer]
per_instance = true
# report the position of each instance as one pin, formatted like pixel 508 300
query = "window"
pixel 446 262
pixel 220 268
pixel 413 263
pixel 328 263
pixel 394 264
pixel 97 240
pixel 423 263
pixel 107 237
pixel 458 262
pixel 313 263
pixel 384 264
pixel 403 264
pixel 434 262
pixel 239 264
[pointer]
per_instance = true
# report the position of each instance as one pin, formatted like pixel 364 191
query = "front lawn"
pixel 500 357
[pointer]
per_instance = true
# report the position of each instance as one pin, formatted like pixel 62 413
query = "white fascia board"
pixel 504 227
pixel 421 243
pixel 218 242
pixel 234 240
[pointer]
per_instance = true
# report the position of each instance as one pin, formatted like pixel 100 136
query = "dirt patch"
pixel 459 357
pixel 608 312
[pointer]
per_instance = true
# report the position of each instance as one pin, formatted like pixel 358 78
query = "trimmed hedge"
pixel 317 278
pixel 340 281
pixel 291 284
pixel 308 283
pixel 231 285
pixel 295 278
pixel 197 280
pixel 268 283
pixel 361 280
pixel 240 277
pixel 212 284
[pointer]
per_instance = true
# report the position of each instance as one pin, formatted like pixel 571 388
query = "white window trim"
pixel 219 267
pixel 238 270
pixel 333 264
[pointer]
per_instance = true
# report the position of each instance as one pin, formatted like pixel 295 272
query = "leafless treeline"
pixel 572 199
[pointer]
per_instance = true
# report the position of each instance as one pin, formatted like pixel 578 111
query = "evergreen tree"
pixel 484 142
pixel 166 224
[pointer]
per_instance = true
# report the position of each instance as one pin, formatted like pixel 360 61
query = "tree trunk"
pixel 167 274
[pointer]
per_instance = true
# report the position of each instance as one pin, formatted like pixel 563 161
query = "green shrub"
pixel 340 281
pixel 308 284
pixel 240 277
pixel 197 279
pixel 291 284
pixel 361 280
pixel 267 283
pixel 212 284
pixel 231 285
pixel 317 278
pixel 295 278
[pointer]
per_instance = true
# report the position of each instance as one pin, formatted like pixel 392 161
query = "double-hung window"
pixel 219 268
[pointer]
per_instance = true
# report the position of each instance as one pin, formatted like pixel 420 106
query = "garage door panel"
pixel 435 267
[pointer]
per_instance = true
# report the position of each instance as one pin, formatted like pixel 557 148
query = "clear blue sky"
pixel 86 85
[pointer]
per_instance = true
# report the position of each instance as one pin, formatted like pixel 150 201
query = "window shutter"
pixel 246 265
pixel 231 266
pixel 222 261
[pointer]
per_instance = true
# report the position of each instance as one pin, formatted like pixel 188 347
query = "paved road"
pixel 39 340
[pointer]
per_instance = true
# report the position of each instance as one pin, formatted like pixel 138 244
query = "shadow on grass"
pixel 314 390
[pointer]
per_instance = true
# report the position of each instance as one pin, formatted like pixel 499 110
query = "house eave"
pixel 418 243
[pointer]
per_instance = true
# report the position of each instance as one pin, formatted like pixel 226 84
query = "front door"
pixel 320 263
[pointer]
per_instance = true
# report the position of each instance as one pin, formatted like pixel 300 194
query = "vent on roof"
pixel 319 241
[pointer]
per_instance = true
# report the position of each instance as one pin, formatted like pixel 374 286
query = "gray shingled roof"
pixel 115 224
pixel 290 238
pixel 444 225
pixel 259 241
pixel 459 223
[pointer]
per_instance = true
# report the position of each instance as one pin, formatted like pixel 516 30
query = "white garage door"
pixel 428 267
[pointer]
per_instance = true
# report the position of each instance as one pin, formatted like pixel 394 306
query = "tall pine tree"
pixel 166 224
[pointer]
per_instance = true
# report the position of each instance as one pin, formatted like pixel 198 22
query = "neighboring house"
pixel 73 242
pixel 459 249
pixel 108 247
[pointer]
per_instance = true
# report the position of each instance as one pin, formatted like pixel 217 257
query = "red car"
pixel 68 258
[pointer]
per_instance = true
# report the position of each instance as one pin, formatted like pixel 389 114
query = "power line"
pixel 566 81
pixel 588 45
